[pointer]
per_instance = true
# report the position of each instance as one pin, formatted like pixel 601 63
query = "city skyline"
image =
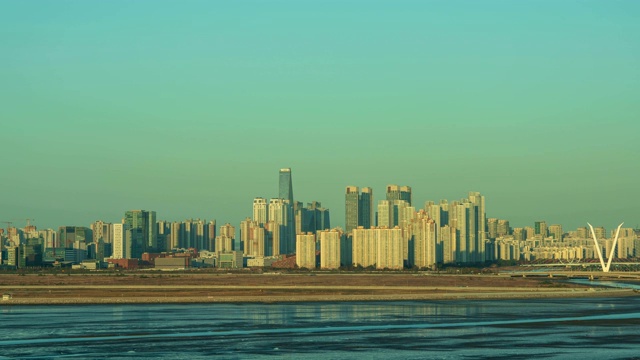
pixel 262 203
pixel 190 109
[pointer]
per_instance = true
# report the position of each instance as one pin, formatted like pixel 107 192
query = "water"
pixel 550 328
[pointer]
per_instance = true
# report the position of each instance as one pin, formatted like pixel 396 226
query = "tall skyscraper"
pixel 365 208
pixel 281 215
pixel 395 192
pixel 313 218
pixel 358 208
pixel 458 215
pixel 145 231
pixel 479 226
pixel 351 208
pixel 286 186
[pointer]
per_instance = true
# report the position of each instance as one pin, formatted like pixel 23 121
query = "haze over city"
pixel 380 179
pixel 190 110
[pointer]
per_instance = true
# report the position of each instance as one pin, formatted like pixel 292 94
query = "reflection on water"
pixel 514 328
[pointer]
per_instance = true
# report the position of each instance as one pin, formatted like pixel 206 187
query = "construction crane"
pixel 28 221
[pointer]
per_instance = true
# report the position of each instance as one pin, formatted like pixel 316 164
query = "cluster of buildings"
pixel 550 242
pixel 389 234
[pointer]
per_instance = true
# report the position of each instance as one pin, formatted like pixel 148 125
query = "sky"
pixel 190 108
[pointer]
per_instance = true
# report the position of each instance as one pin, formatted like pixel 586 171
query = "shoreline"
pixel 285 288
pixel 270 299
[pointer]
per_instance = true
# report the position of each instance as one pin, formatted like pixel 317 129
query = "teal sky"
pixel 190 108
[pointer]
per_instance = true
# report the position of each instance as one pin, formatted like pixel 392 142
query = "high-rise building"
pixel 31 252
pixel 556 231
pixel 600 232
pixel 379 246
pixel 50 237
pixel 306 250
pixel 504 228
pixel 74 236
pixel 257 238
pixel 530 232
pixel 458 214
pixel 447 239
pixel 121 241
pixel 395 192
pixel 390 248
pixel 281 214
pixel 211 235
pixel 101 231
pixel 365 208
pixel 224 241
pixel 278 211
pixel 144 228
pixel 190 233
pixel 313 218
pixel 582 233
pixel 424 241
pixel 176 235
pixel 358 208
pixel 260 210
pixel 540 228
pixel 385 213
pixel 286 185
pixel 492 228
pixel 401 213
pixel 228 230
pixel 351 208
pixel 519 234
pixel 301 218
pixel 245 234
pixel 364 247
pixel 478 226
pixel 435 212
pixel 164 236
pixel 320 217
pixel 199 229
pixel 330 246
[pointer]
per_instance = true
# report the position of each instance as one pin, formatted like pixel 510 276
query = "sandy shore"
pixel 270 288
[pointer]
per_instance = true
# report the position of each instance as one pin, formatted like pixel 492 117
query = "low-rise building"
pixel 173 263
